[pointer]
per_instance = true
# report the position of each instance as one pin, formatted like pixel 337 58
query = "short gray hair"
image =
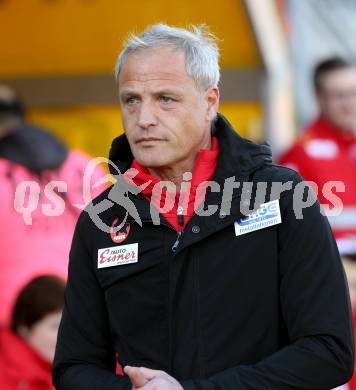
pixel 198 44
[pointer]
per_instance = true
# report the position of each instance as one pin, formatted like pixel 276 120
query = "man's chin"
pixel 152 162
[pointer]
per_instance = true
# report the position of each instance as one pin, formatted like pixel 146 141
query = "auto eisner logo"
pixel 266 211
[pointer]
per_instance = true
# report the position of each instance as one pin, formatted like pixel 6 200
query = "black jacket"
pixel 264 310
pixel 33 148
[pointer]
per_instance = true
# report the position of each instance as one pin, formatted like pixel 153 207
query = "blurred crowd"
pixel 41 181
pixel 37 216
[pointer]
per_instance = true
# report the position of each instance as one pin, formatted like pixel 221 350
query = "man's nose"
pixel 146 116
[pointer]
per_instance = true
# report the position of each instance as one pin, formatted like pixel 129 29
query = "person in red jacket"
pixel 41 182
pixel 27 349
pixel 326 151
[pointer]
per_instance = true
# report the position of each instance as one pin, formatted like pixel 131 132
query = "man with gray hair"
pixel 188 292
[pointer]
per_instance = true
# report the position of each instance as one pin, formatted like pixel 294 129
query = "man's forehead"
pixel 340 77
pixel 160 52
pixel 156 75
pixel 154 64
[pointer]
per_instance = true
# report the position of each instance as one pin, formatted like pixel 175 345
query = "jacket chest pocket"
pixel 137 260
pixel 137 304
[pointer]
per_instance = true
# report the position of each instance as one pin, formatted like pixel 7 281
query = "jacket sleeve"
pixel 315 309
pixel 85 358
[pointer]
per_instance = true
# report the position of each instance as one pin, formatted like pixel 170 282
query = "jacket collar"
pixel 238 156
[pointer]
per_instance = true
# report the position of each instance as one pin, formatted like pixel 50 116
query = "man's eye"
pixel 131 100
pixel 165 99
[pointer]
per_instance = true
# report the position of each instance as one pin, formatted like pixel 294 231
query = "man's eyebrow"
pixel 128 93
pixel 167 91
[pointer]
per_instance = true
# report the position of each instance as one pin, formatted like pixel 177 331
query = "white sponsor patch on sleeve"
pixel 268 214
pixel 322 149
pixel 117 255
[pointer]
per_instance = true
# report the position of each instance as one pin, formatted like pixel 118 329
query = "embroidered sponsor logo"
pixel 117 255
pixel 119 233
pixel 268 214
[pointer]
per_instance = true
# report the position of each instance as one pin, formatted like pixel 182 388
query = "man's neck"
pixel 351 129
pixel 175 173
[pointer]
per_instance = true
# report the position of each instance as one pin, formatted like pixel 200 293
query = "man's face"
pixel 337 98
pixel 165 116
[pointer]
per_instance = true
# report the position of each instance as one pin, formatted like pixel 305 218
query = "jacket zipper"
pixel 177 242
pixel 170 295
pixel 180 216
pixel 180 233
pixel 174 248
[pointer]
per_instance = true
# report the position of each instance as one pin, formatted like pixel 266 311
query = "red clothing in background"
pixel 324 153
pixel 37 220
pixel 21 368
pixel 41 246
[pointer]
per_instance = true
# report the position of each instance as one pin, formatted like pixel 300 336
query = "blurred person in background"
pixel 326 151
pixel 37 216
pixel 27 349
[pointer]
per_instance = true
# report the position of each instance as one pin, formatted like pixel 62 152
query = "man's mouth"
pixel 148 139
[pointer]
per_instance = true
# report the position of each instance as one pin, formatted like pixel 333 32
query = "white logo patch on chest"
pixel 268 214
pixel 117 255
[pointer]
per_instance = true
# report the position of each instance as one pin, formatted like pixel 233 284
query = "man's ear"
pixel 23 331
pixel 212 96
